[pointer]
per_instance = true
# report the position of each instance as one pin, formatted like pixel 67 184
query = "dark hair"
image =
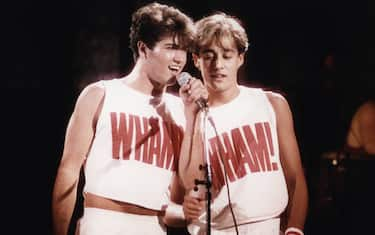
pixel 154 21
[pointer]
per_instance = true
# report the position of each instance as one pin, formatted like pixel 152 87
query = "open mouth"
pixel 174 68
pixel 218 76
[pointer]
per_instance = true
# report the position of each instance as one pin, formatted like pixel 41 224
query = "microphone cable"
pixel 225 175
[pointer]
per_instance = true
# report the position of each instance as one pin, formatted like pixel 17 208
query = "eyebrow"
pixel 173 44
pixel 207 51
pixel 224 49
pixel 170 43
pixel 229 50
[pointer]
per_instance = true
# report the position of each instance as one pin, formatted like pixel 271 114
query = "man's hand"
pixel 192 207
pixel 190 93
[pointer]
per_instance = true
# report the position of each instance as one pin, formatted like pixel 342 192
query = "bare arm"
pixel 291 162
pixel 184 180
pixel 191 154
pixel 78 138
pixel 367 127
pixel 174 215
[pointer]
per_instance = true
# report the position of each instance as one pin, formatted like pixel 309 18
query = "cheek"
pixel 204 70
pixel 165 57
pixel 233 66
pixel 206 65
pixel 163 61
pixel 185 59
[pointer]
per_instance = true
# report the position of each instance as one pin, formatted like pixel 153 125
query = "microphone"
pixel 184 78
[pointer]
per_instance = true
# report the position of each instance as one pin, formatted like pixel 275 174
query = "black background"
pixel 53 48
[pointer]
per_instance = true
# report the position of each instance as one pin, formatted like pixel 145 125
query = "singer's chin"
pixel 172 81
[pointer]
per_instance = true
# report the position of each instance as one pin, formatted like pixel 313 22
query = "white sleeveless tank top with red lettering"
pixel 249 147
pixel 136 146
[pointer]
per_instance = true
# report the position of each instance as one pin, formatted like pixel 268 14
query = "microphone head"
pixel 183 78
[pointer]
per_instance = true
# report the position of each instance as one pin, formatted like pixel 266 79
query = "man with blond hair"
pixel 257 173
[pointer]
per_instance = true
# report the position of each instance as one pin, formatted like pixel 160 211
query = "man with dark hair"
pixel 126 134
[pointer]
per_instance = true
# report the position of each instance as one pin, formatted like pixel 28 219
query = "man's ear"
pixel 142 49
pixel 241 59
pixel 196 61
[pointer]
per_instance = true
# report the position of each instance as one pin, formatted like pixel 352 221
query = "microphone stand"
pixel 208 171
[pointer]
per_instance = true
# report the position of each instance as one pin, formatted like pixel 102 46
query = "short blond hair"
pixel 218 26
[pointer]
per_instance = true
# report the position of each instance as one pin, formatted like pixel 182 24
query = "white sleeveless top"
pixel 136 147
pixel 248 139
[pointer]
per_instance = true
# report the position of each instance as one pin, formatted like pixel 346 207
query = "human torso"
pixel 136 146
pixel 248 139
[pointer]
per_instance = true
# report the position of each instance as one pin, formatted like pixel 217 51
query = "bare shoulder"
pixel 277 100
pixel 93 90
pixel 367 111
pixel 368 107
pixel 90 97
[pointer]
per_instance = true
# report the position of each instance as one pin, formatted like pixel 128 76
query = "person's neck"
pixel 223 97
pixel 139 80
